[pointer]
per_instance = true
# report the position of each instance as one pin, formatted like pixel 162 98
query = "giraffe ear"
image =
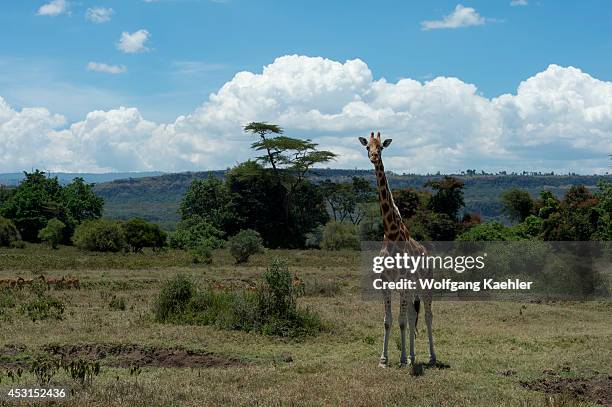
pixel 387 142
pixel 363 141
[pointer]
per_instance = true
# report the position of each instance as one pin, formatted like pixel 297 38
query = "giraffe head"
pixel 374 146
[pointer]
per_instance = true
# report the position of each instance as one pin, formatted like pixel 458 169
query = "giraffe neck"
pixel 392 220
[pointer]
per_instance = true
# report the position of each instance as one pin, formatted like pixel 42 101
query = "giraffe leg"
pixel 428 322
pixel 412 316
pixel 384 359
pixel 402 319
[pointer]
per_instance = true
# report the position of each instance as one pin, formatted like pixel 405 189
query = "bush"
pixel 271 309
pixel 202 254
pixel 244 244
pixel 100 235
pixel 53 233
pixel 195 231
pixel 18 244
pixel 487 232
pixel 117 303
pixel 8 232
pixel 173 299
pixel 315 237
pixel 338 236
pixel 43 307
pixel 140 234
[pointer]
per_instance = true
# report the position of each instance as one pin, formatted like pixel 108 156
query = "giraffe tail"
pixel 417 308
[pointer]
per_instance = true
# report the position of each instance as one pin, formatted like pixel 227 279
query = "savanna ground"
pixel 495 353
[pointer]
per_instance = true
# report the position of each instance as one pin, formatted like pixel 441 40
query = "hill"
pixel 157 198
pixel 14 178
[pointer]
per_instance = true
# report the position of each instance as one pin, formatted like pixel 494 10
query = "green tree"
pixel 212 200
pixel 140 234
pixel 53 233
pixel 294 156
pixel 487 232
pixel 81 202
pixel 196 231
pixel 448 196
pixel 409 201
pixel 347 201
pixel 517 204
pixel 604 209
pixel 36 200
pixel 289 160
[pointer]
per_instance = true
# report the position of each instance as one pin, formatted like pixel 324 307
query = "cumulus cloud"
pixel 100 67
pixel 518 3
pixel 559 119
pixel 53 8
pixel 134 42
pixel 460 17
pixel 99 14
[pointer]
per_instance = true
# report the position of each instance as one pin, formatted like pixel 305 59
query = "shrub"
pixel 244 244
pixel 18 244
pixel 202 253
pixel 117 303
pixel 100 235
pixel 8 232
pixel 271 309
pixel 338 236
pixel 487 232
pixel 140 234
pixel 195 231
pixel 52 234
pixel 315 237
pixel 43 307
pixel 173 299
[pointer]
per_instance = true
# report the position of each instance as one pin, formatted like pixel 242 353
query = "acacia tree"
pixel 289 160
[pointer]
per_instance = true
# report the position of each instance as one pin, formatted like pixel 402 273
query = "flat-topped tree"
pixel 290 158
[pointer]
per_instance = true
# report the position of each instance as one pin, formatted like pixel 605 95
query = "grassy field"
pixel 494 353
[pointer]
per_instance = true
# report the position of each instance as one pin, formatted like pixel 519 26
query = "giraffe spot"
pixel 385 206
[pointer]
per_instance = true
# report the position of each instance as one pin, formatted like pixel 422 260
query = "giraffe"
pixel 397 240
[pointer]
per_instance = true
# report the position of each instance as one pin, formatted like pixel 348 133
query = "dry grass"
pixel 478 340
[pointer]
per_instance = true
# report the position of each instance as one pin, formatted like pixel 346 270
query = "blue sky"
pixel 193 48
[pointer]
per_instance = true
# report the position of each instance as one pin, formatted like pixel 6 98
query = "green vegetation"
pixel 157 199
pixel 140 234
pixel 245 244
pixel 38 199
pixel 53 233
pixel 492 346
pixel 194 232
pixel 8 232
pixel 338 236
pixel 271 310
pixel 100 235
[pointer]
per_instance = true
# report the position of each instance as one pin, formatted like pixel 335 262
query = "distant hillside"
pixel 157 198
pixel 13 178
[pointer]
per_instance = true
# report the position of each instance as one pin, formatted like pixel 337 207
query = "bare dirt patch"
pixel 596 389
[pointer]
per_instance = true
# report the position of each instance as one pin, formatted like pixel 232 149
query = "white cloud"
pixel 53 8
pixel 518 3
pixel 99 14
pixel 559 119
pixel 100 67
pixel 460 17
pixel 134 42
